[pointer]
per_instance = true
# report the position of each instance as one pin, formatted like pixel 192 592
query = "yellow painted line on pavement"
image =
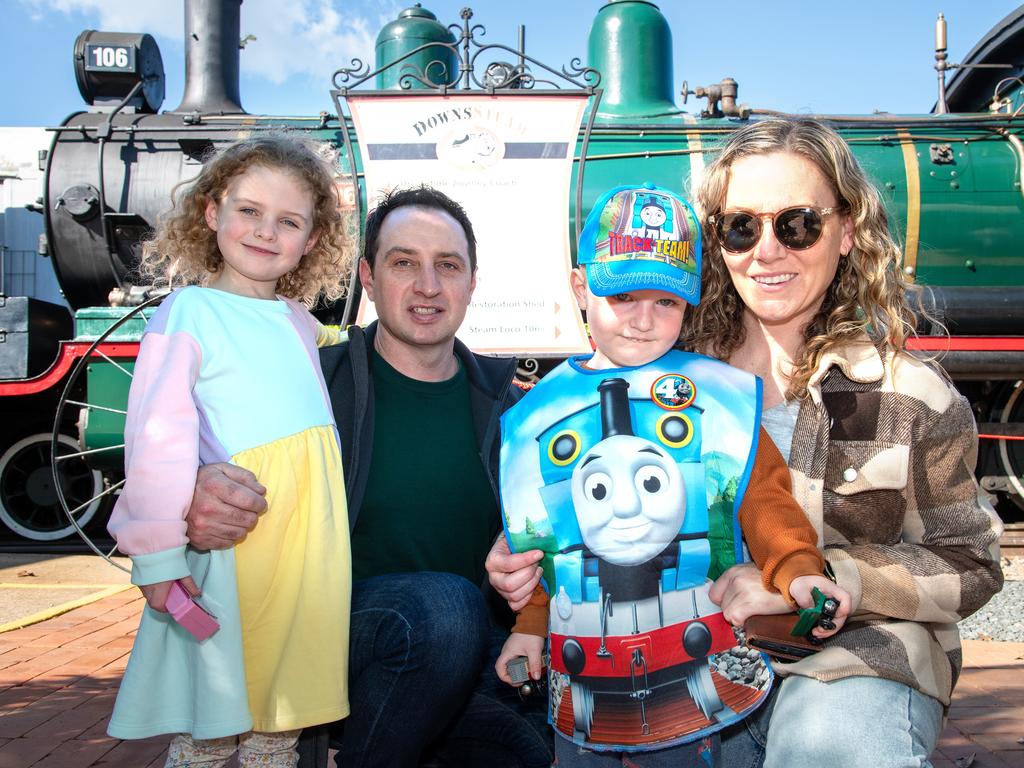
pixel 8 585
pixel 57 610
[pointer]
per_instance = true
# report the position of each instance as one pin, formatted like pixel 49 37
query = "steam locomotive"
pixel 953 182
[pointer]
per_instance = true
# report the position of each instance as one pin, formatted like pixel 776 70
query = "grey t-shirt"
pixel 779 421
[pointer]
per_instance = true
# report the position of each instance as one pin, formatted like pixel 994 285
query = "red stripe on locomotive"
pixel 662 648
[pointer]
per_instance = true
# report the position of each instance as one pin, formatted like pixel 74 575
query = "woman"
pixel 802 287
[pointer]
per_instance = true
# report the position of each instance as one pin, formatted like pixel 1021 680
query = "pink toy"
pixel 190 614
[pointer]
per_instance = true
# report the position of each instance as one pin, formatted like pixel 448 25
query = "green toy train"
pixel 952 181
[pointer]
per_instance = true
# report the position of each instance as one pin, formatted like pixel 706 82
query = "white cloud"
pixel 305 37
pixel 118 15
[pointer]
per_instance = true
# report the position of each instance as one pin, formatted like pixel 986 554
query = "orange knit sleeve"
pixel 532 619
pixel 780 538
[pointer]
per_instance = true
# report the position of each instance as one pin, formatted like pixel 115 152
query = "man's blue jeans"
pixel 743 744
pixel 417 644
pixel 419 686
pixel 498 728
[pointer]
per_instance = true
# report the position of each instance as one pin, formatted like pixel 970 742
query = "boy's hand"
pixel 513 576
pixel 741 594
pixel 800 590
pixel 519 644
pixel 156 594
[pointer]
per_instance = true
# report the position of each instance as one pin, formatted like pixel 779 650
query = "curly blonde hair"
pixel 183 250
pixel 868 295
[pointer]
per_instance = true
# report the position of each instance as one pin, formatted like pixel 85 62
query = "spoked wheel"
pixel 582 707
pixel 94 406
pixel 1011 452
pixel 29 503
pixel 702 689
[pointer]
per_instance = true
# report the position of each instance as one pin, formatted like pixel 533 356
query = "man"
pixel 418 416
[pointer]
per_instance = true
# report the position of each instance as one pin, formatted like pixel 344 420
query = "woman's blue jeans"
pixel 856 722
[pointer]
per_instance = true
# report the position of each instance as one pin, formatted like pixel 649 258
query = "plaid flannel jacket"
pixel 883 463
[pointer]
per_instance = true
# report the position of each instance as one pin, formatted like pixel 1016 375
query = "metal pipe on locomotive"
pixel 952 181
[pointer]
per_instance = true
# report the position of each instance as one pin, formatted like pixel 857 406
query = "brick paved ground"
pixel 57 685
pixel 58 680
pixel 987 716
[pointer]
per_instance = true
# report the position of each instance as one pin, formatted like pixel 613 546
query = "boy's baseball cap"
pixel 642 237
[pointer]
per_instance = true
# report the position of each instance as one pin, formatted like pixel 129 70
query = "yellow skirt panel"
pixel 294 584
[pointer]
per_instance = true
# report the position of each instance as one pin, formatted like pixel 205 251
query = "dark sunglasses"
pixel 796 228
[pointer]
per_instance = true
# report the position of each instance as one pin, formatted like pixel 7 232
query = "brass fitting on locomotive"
pixel 721 99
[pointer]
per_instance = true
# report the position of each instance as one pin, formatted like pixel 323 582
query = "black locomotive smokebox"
pixel 21 319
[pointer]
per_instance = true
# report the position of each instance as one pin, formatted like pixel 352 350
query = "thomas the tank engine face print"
pixel 628 495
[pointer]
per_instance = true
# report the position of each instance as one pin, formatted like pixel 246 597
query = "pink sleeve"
pixel 161 447
pixel 303 315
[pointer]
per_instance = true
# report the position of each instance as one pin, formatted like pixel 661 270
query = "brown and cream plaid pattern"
pixel 883 464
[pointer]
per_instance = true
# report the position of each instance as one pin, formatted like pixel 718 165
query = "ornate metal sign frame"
pixel 497 78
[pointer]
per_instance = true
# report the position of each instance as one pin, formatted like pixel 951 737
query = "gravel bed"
pixel 1002 618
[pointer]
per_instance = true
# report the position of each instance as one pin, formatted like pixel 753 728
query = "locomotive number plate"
pixel 109 58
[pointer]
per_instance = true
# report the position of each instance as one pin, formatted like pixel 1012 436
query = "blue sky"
pixel 794 56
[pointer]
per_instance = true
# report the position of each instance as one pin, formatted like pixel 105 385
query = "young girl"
pixel 228 370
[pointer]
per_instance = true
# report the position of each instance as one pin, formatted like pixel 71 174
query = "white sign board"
pixel 509 161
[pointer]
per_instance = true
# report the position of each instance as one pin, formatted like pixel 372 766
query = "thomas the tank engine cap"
pixel 642 237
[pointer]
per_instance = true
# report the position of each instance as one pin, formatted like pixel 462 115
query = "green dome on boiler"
pixel 630 44
pixel 414 27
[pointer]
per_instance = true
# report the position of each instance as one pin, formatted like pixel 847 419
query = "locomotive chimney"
pixel 615 416
pixel 212 32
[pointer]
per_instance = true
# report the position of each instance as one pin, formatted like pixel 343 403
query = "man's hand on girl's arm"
pixel 226 505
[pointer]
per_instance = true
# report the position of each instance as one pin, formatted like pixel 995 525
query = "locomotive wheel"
pixel 1011 452
pixel 702 689
pixel 29 503
pixel 582 707
pixel 94 353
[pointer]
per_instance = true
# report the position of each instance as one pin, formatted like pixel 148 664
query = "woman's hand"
pixel 513 576
pixel 741 594
pixel 156 594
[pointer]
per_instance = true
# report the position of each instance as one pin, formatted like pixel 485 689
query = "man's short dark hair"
pixel 415 197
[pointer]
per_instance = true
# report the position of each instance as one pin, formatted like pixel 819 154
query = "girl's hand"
pixel 513 576
pixel 800 590
pixel 156 594
pixel 519 644
pixel 741 594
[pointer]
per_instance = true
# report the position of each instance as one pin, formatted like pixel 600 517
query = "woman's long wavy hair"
pixel 868 294
pixel 183 250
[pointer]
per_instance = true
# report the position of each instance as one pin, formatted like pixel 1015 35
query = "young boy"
pixel 634 469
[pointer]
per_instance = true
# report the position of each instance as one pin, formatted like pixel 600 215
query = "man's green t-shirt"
pixel 429 504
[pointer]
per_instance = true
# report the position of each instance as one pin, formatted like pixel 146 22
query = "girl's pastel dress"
pixel 222 377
